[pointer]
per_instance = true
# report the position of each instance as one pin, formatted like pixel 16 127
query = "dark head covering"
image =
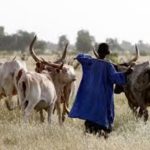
pixel 103 49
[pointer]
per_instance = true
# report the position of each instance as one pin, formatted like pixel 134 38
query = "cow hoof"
pixel 140 113
pixel 146 115
pixel 63 118
pixel 8 106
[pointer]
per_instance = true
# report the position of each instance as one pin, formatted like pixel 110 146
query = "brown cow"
pixel 63 81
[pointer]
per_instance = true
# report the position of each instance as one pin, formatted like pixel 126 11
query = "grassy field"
pixel 129 133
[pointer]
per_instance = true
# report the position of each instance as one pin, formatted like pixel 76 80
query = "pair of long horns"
pixel 42 60
pixel 129 62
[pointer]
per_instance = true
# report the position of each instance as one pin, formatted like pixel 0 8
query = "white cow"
pixel 7 85
pixel 35 91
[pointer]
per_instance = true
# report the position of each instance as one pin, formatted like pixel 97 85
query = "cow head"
pixel 65 73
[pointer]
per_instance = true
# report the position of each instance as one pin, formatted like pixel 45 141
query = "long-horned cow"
pixel 63 80
pixel 7 85
pixel 137 88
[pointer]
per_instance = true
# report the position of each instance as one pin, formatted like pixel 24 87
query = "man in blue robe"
pixel 95 99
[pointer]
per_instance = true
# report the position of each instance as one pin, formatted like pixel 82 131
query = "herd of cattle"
pixel 49 88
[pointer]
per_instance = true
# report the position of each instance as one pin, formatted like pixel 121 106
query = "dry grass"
pixel 128 133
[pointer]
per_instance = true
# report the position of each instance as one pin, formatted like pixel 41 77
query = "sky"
pixel 122 19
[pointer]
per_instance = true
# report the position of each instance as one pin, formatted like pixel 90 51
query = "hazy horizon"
pixel 121 19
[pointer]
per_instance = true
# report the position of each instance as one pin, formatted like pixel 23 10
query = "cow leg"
pixel 135 111
pixel 41 116
pixel 50 111
pixel 26 115
pixel 65 110
pixel 8 89
pixel 146 115
pixel 141 112
pixel 54 109
pixel 59 112
pixel 67 91
pixel 28 109
pixel 63 113
pixel 8 103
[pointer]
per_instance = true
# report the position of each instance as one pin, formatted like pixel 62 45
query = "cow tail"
pixel 25 91
pixel 26 86
pixel 18 76
pixel 24 81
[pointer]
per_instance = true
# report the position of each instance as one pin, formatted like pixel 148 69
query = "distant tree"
pixel 24 38
pixel 62 42
pixel 2 33
pixel 42 45
pixel 114 45
pixel 52 46
pixel 19 41
pixel 84 41
pixel 96 45
pixel 143 47
pixel 126 45
pixel 4 40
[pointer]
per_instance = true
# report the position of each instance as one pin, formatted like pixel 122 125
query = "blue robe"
pixel 95 100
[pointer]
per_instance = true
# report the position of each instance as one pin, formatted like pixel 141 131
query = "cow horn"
pixel 59 66
pixel 95 53
pixel 31 50
pixel 136 56
pixel 62 59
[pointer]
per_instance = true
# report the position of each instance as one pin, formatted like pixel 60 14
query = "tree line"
pixel 84 42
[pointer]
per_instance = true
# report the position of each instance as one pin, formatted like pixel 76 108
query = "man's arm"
pixel 83 58
pixel 116 77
